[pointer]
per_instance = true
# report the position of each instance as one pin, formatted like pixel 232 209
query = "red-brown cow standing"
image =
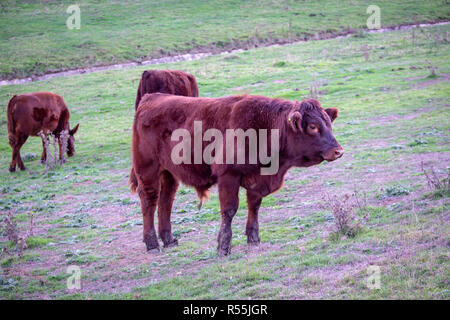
pixel 30 113
pixel 305 139
pixel 175 82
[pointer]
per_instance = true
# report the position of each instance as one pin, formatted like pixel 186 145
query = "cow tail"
pixel 10 121
pixel 133 182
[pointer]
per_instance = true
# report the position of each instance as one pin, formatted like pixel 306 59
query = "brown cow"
pixel 174 82
pixel 30 113
pixel 304 139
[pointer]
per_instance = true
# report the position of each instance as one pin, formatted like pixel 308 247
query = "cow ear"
pixel 332 113
pixel 295 121
pixel 74 130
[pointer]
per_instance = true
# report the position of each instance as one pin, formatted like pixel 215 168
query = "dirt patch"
pixel 430 81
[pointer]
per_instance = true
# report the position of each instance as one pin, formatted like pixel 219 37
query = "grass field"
pixel 394 114
pixel 34 38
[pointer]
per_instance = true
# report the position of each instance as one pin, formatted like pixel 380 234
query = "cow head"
pixel 71 141
pixel 310 138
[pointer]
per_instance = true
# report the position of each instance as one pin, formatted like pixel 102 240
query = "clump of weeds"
pixel 344 209
pixel 17 240
pixel 439 186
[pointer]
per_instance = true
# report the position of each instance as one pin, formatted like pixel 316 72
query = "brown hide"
pixel 174 82
pixel 305 139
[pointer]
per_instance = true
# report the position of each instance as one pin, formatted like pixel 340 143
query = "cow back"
pixel 33 112
pixel 166 81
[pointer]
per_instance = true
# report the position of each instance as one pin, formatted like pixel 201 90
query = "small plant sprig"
pixel 30 224
pixel 347 223
pixel 365 52
pixel 10 229
pixel 314 90
pixel 433 181
pixel 432 68
pixel 51 161
pixel 63 140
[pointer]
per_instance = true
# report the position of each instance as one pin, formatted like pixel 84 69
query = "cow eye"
pixel 313 129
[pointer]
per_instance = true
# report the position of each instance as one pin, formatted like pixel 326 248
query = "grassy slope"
pixel 34 38
pixel 85 215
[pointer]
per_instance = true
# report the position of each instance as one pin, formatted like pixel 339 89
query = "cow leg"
pixel 22 139
pixel 169 186
pixel 148 190
pixel 252 228
pixel 229 203
pixel 12 143
pixel 44 153
pixel 62 157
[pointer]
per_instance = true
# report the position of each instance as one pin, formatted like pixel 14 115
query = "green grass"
pixel 34 242
pixel 84 214
pixel 34 38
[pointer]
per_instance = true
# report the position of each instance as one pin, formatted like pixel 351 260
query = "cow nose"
pixel 339 152
pixel 333 154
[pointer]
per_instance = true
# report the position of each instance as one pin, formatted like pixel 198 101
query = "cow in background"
pixel 29 114
pixel 174 82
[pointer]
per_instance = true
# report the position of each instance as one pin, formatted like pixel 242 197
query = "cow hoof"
pixel 253 237
pixel 42 161
pixel 12 169
pixel 151 242
pixel 153 247
pixel 253 242
pixel 224 243
pixel 23 168
pixel 222 252
pixel 172 243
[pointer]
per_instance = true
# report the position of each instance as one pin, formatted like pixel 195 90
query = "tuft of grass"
pixel 29 156
pixel 279 64
pixel 432 68
pixel 440 186
pixel 34 242
pixel 7 284
pixel 417 142
pixel 395 191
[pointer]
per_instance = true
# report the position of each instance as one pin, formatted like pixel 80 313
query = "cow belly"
pixel 264 184
pixel 259 186
pixel 198 176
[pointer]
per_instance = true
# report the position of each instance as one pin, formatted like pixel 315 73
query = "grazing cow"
pixel 304 139
pixel 29 114
pixel 174 82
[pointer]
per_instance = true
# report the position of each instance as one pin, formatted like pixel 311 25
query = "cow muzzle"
pixel 333 154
